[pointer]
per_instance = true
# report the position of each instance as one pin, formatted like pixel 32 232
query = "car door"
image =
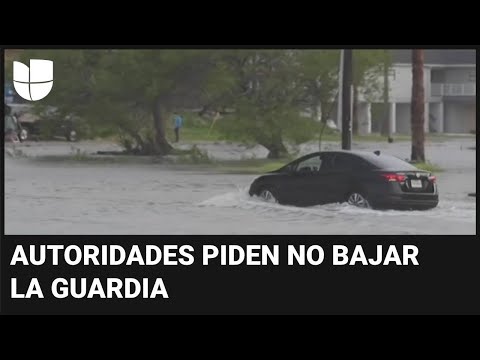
pixel 326 179
pixel 342 176
pixel 304 181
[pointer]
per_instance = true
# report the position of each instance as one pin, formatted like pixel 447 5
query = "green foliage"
pixel 198 133
pixel 368 68
pixel 199 156
pixel 195 156
pixel 247 126
pixel 272 88
pixel 266 94
pixel 318 73
pixel 427 166
pixel 114 91
pixel 250 166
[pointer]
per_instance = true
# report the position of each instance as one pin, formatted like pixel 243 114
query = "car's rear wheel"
pixel 72 136
pixel 23 136
pixel 268 195
pixel 359 200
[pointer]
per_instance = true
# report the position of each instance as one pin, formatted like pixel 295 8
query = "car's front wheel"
pixel 359 200
pixel 268 195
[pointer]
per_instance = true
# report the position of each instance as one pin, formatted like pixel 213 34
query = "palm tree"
pixel 418 107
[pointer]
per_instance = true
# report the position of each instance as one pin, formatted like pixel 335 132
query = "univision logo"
pixel 35 82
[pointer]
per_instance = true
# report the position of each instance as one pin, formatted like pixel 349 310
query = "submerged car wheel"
pixel 268 196
pixel 358 200
pixel 23 135
pixel 72 136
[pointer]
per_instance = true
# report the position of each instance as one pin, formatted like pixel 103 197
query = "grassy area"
pixel 428 167
pixel 200 160
pixel 196 159
pixel 183 160
pixel 396 138
pixel 197 129
pixel 250 166
pixel 94 159
pixel 204 134
pixel 192 134
pixel 380 138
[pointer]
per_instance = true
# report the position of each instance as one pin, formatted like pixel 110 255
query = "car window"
pixel 311 164
pixel 349 162
pixel 390 163
pixel 327 161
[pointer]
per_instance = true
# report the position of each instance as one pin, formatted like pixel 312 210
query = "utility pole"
pixel 385 129
pixel 339 96
pixel 347 99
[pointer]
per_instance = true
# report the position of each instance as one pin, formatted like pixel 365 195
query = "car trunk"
pixel 413 182
pixel 419 182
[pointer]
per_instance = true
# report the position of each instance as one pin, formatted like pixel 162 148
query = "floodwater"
pixel 44 197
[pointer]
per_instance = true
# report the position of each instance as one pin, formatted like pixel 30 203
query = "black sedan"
pixel 363 179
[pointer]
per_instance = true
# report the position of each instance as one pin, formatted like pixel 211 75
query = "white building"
pixel 450 94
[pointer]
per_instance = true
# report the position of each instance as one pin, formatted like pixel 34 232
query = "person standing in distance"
pixel 178 123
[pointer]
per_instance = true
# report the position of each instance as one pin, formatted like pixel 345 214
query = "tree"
pixel 269 89
pixel 367 67
pixel 120 88
pixel 318 77
pixel 159 82
pixel 319 81
pixel 385 127
pixel 132 92
pixel 418 107
pixel 264 91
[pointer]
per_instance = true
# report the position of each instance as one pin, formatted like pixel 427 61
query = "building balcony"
pixel 442 89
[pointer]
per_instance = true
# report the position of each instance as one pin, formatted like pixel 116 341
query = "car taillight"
pixel 432 179
pixel 395 177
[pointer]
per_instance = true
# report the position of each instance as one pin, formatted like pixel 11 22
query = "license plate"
pixel 416 184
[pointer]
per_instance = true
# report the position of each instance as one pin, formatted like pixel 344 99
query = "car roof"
pixel 370 156
pixel 363 154
pixel 376 158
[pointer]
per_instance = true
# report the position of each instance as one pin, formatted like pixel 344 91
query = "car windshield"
pixel 387 162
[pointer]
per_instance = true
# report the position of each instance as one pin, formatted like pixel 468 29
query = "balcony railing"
pixel 466 89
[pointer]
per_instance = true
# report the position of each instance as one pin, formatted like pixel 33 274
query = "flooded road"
pixel 88 198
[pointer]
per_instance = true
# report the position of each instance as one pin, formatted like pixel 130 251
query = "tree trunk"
pixel 418 107
pixel 386 131
pixel 274 145
pixel 326 110
pixel 355 110
pixel 276 150
pixel 140 147
pixel 324 114
pixel 162 147
pixel 315 118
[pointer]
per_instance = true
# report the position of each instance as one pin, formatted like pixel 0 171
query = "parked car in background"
pixel 10 131
pixel 48 125
pixel 13 130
